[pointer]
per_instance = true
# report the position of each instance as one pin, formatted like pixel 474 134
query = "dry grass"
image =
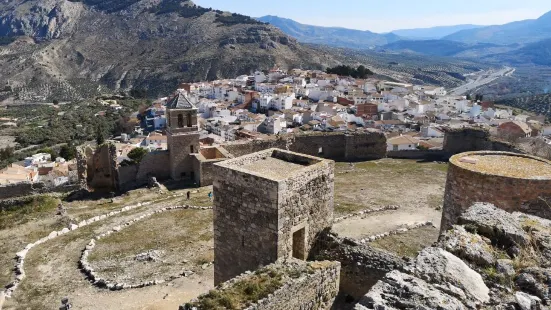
pixel 410 243
pixel 37 207
pixel 184 237
pixel 242 293
pixel 383 182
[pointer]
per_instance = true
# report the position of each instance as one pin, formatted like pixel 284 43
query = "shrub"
pixel 137 154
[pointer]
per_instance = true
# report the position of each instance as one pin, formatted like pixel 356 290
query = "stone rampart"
pixel 21 189
pixel 154 164
pixel 468 183
pixel 473 139
pixel 361 265
pixel 302 285
pixel 338 146
pixel 203 164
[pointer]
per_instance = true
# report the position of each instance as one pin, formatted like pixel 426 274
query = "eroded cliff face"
pixel 75 47
pixel 45 19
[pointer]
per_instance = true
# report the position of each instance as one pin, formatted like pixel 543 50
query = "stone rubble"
pixel 365 212
pixel 396 231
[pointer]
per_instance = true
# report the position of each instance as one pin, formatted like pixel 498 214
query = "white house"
pixel 431 132
pixel 402 143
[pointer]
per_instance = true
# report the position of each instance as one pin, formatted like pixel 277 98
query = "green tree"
pixel 6 153
pixel 100 138
pixel 137 154
pixel 68 152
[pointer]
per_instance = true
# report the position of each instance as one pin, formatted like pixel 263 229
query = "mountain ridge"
pixel 523 32
pixel 128 44
pixel 332 36
pixel 432 33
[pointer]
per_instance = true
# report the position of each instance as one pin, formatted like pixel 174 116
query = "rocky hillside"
pixel 490 260
pixel 61 49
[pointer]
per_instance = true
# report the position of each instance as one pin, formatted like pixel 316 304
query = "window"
pixel 180 120
pixel 189 120
pixel 320 151
pixel 191 148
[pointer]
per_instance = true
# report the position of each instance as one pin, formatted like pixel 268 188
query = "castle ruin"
pixel 268 206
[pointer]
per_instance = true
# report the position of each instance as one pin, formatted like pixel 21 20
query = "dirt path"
pixel 386 221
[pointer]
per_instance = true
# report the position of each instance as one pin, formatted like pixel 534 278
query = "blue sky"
pixel 385 15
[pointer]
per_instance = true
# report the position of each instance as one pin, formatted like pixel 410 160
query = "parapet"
pixel 512 182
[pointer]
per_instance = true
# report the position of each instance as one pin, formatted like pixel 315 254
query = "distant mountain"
pixel 448 48
pixel 538 53
pixel 526 31
pixel 433 32
pixel 333 36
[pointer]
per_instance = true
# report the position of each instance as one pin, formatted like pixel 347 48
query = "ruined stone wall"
pixel 21 189
pixel 417 154
pixel 473 139
pixel 154 164
pixel 305 286
pixel 102 168
pixel 465 187
pixel 245 223
pixel 364 146
pixel 127 177
pixel 361 265
pixel 82 168
pixel 333 145
pixel 205 176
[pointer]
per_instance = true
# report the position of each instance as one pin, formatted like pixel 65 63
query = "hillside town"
pixel 268 104
pixel 278 102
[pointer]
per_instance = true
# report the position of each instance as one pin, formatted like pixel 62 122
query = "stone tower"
pixel 268 205
pixel 182 135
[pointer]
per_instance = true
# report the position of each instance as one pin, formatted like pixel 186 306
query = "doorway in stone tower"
pixel 299 243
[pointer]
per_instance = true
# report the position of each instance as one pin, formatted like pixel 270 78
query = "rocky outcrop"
pixel 361 265
pixel 493 260
pixel 45 19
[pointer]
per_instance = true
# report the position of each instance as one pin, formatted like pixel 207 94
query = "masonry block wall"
pixel 21 189
pixel 268 205
pixel 331 145
pixel 181 146
pixel 102 173
pixel 154 164
pixel 464 187
pixel 473 139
